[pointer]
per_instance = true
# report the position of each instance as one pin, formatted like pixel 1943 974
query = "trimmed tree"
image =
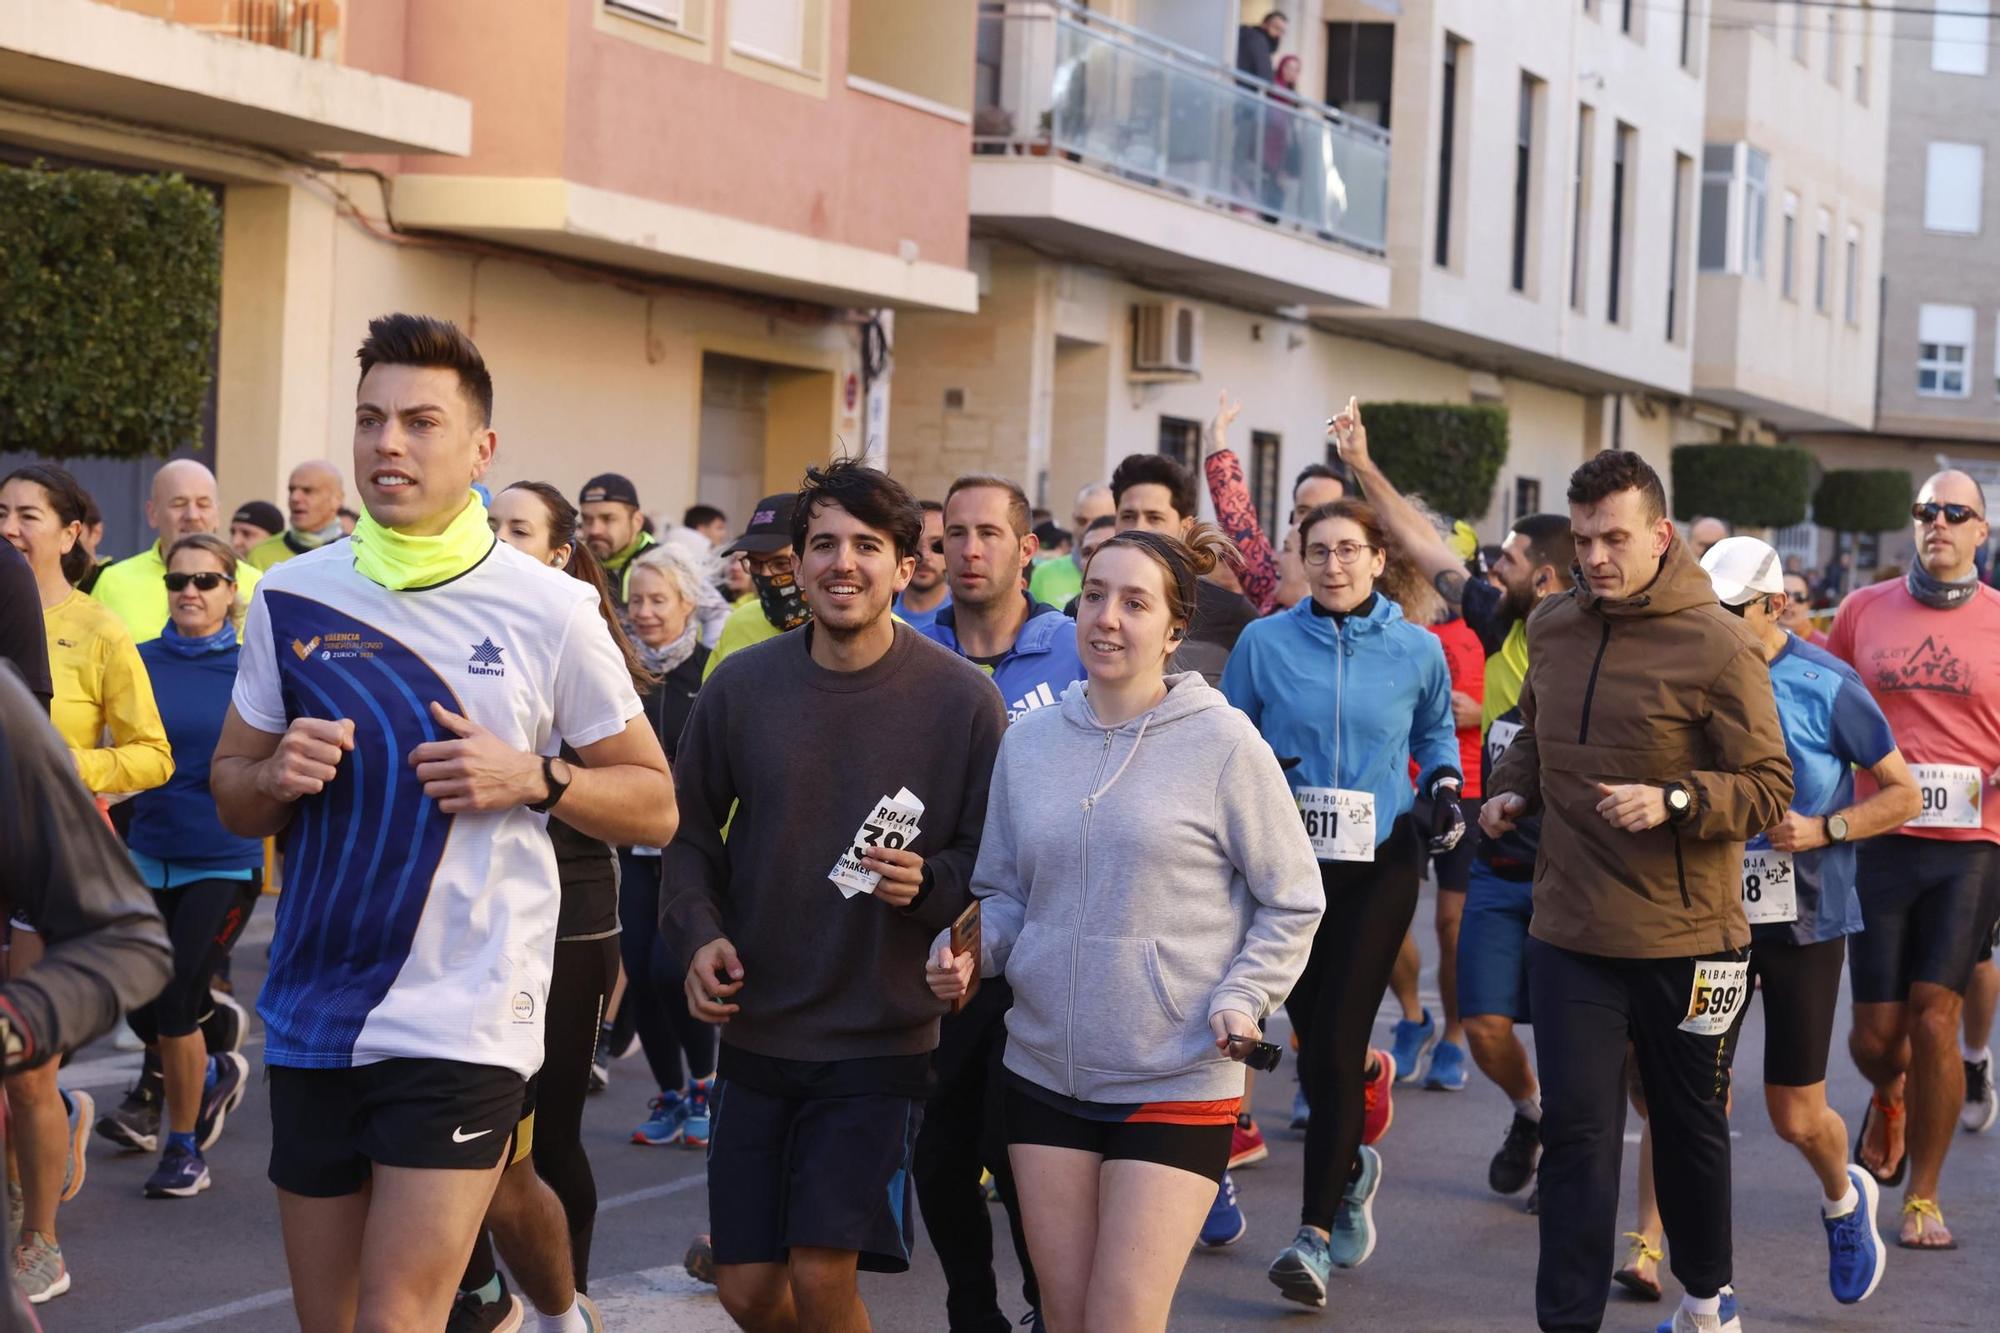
pixel 1749 485
pixel 1863 500
pixel 110 296
pixel 1449 453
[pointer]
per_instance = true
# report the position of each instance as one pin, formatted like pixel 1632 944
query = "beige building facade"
pixel 685 305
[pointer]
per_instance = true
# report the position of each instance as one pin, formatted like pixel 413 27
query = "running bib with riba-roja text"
pixel 1950 793
pixel 1340 823
pixel 1770 888
pixel 1720 989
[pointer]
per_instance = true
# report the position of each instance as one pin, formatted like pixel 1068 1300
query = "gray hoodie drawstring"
pixel 1144 722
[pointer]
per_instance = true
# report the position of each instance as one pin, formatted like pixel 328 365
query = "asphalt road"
pixel 1452 1256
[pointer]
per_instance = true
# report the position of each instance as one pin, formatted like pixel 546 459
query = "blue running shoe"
pixel 180 1175
pixel 1447 1071
pixel 1726 1320
pixel 1353 1238
pixel 694 1133
pixel 222 1095
pixel 667 1122
pixel 1412 1048
pixel 1300 1271
pixel 1225 1224
pixel 1301 1111
pixel 1853 1245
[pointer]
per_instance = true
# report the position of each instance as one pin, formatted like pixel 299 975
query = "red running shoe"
pixel 1378 1107
pixel 1246 1144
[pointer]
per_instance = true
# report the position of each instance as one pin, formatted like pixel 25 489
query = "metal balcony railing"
pixel 1054 78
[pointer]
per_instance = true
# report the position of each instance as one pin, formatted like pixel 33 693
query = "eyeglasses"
pixel 774 566
pixel 206 581
pixel 1953 514
pixel 1346 553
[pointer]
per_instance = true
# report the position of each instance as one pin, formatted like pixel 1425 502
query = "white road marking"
pixel 655 1298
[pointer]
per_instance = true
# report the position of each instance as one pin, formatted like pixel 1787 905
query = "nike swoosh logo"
pixel 460 1136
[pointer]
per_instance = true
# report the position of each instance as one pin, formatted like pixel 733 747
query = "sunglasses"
pixel 1953 514
pixel 206 581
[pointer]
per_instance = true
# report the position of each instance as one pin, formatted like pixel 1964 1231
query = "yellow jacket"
pixel 101 684
pixel 135 588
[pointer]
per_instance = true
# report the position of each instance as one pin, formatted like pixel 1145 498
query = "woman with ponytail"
pixel 536 519
pixel 1351 691
pixel 1148 891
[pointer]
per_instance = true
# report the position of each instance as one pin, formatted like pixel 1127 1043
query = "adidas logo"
pixel 1039 697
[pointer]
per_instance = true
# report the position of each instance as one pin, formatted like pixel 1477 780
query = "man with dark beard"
pixel 766 548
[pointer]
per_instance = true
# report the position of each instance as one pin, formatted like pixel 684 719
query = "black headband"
pixel 1172 552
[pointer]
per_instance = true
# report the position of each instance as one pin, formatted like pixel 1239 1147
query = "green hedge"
pixel 110 293
pixel 1863 500
pixel 1449 453
pixel 1750 485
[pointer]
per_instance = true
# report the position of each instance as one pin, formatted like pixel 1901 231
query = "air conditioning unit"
pixel 1166 338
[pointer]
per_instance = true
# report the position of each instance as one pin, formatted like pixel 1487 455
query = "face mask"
pixel 784 606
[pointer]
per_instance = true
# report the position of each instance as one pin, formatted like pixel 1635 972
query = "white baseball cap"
pixel 1743 569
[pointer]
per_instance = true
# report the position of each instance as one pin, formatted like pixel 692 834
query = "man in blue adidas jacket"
pixel 1030 651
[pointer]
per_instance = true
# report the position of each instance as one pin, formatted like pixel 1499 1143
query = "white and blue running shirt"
pixel 403 931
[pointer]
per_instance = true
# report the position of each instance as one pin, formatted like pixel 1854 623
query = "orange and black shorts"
pixel 1188 1136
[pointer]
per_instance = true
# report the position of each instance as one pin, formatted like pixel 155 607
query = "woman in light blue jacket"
pixel 1150 895
pixel 1348 692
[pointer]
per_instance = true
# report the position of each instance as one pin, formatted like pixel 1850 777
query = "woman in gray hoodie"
pixel 1148 890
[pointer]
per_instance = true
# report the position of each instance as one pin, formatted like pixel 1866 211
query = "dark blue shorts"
pixel 1492 945
pixel 826 1172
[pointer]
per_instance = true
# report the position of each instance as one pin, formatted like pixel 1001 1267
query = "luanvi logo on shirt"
pixel 486 659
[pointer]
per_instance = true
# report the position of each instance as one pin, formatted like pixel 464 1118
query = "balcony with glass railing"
pixel 1055 79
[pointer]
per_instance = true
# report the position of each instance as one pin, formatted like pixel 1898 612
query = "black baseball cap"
pixel 609 486
pixel 260 513
pixel 770 527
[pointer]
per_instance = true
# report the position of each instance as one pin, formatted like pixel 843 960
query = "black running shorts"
pixel 331 1127
pixel 1927 906
pixel 822 1172
pixel 1801 988
pixel 1200 1149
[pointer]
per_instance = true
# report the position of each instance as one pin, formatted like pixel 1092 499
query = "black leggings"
pixel 578 985
pixel 668 1033
pixel 203 920
pixel 1369 906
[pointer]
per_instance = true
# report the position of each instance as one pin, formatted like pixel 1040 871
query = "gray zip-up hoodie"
pixel 1134 881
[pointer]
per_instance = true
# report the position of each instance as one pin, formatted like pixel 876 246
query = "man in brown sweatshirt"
pixel 1650 745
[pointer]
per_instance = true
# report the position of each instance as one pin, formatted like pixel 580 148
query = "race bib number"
pixel 1770 887
pixel 1720 990
pixel 1950 794
pixel 1498 737
pixel 1340 823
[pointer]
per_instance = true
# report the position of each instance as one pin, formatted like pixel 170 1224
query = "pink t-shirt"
pixel 1936 675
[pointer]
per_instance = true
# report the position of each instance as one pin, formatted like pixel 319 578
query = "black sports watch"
pixel 1836 827
pixel 1680 801
pixel 557 785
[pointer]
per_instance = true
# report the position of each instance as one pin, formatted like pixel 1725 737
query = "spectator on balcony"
pixel 1257 47
pixel 1281 136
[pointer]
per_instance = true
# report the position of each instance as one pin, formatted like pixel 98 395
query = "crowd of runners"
pixel 543 780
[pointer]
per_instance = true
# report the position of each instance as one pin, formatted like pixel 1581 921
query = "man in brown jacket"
pixel 1650 746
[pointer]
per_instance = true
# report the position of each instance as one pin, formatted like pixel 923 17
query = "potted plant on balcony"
pixel 1045 127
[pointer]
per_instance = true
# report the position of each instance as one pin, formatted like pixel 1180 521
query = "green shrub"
pixel 110 294
pixel 1863 500
pixel 1449 453
pixel 1749 485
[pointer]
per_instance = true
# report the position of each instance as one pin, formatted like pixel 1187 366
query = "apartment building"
pixel 672 225
pixel 1939 383
pixel 1496 203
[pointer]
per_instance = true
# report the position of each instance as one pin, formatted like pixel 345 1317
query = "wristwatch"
pixel 1680 802
pixel 1836 827
pixel 557 781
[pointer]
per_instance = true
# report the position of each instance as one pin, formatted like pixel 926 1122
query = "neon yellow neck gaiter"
pixel 399 561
